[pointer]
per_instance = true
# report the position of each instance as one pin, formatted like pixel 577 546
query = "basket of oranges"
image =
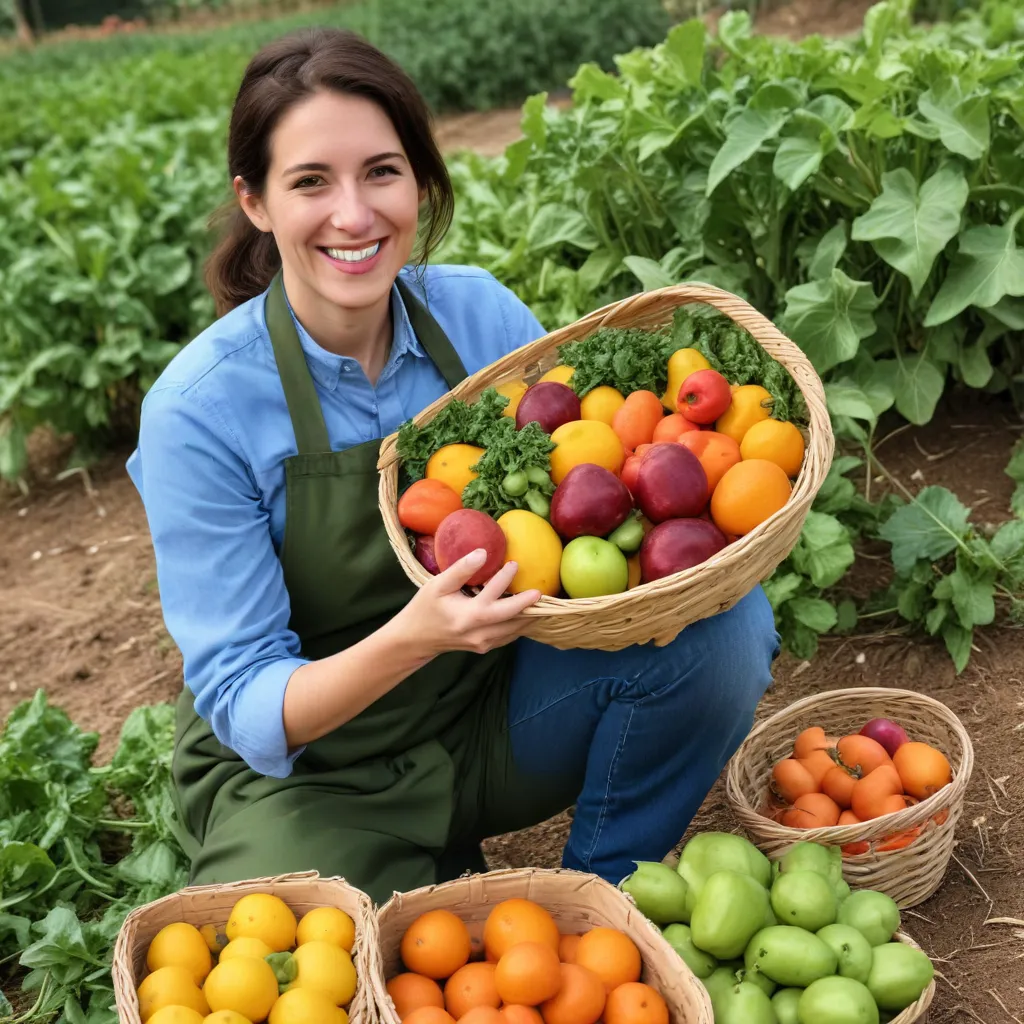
pixel 288 949
pixel 881 773
pixel 530 946
pixel 645 467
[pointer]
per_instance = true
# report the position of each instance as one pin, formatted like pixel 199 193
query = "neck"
pixel 361 334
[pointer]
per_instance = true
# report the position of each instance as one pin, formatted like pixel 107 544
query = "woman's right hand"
pixel 442 618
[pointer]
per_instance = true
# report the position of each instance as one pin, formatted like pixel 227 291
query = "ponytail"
pixel 244 261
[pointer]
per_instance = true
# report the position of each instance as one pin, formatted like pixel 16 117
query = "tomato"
pixel 678 937
pixel 923 770
pixel 805 899
pixel 813 810
pixel 743 1003
pixel 784 1003
pixel 819 764
pixel 852 949
pixel 862 754
pixel 809 740
pixel 838 784
pixel 837 1001
pixel 731 907
pixel 704 396
pixel 899 974
pixel 762 981
pixel 721 978
pixel 873 914
pixel 825 860
pixel 791 780
pixel 790 956
pixel 658 891
pixel 425 503
pixel 708 852
pixel 871 793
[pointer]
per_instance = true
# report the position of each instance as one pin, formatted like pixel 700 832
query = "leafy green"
pixel 627 359
pixel 1015 471
pixel 929 527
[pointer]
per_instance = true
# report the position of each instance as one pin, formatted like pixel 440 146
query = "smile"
pixel 354 255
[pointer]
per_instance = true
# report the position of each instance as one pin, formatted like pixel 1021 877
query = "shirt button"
pixel 373 409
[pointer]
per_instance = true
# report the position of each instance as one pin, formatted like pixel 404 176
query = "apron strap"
pixel 299 390
pixel 432 337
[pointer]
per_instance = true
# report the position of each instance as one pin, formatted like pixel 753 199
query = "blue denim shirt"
pixel 209 467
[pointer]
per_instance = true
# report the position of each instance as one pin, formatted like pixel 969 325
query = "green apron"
pixel 401 795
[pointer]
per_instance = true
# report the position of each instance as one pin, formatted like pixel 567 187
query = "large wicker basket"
pixel 576 900
pixel 658 610
pixel 211 904
pixel 909 875
pixel 917 1012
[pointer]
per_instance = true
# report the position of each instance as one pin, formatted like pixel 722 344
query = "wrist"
pixel 410 644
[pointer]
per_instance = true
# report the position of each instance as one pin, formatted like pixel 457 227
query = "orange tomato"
pixel 637 419
pixel 838 783
pixel 777 441
pixel 716 453
pixel 813 810
pixel 819 764
pixel 899 840
pixel 923 770
pixel 810 739
pixel 791 780
pixel 747 494
pixel 852 849
pixel 871 792
pixel 669 428
pixel 848 818
pixel 425 503
pixel 862 754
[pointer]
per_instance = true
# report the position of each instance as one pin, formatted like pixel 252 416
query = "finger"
pixel 509 607
pixel 499 582
pixel 459 573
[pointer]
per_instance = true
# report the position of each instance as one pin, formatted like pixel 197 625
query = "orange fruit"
pixel 601 404
pixel 671 426
pixel 635 1003
pixel 482 1015
pixel 513 1013
pixel 411 991
pixel 633 579
pixel 715 452
pixel 580 1000
pixel 751 404
pixel 777 441
pixel 567 944
pixel 518 920
pixel 429 1015
pixel 747 495
pixel 436 944
pixel 471 985
pixel 638 418
pixel 560 374
pixel 528 974
pixel 582 441
pixel 452 465
pixel 612 955
pixel 513 390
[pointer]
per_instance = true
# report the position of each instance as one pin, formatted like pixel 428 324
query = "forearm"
pixel 323 695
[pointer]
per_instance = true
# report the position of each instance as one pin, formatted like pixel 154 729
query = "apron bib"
pixel 375 800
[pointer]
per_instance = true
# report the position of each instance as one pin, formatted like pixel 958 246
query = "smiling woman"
pixel 333 716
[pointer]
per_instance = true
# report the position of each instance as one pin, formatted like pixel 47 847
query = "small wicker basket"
pixel 917 1012
pixel 576 900
pixel 211 904
pixel 909 875
pixel 658 610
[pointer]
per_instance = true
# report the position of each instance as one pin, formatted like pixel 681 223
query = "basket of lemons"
pixel 288 949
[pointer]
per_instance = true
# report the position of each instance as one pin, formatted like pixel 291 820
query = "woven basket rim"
pixel 783 527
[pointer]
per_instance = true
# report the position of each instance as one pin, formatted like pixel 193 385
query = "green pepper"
pixel 837 1001
pixel 628 537
pixel 790 956
pixel 702 964
pixel 730 910
pixel 899 974
pixel 743 1003
pixel 708 852
pixel 658 891
pixel 515 484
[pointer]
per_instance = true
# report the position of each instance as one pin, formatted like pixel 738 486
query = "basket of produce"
pixel 290 949
pixel 787 941
pixel 530 946
pixel 880 773
pixel 645 467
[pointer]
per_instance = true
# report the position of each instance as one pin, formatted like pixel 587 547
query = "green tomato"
pixel 784 1003
pixel 826 861
pixel 836 1001
pixel 852 949
pixel 719 980
pixel 628 537
pixel 743 1003
pixel 658 891
pixel 762 981
pixel 873 914
pixel 730 909
pixel 805 899
pixel 790 956
pixel 899 974
pixel 678 937
pixel 709 852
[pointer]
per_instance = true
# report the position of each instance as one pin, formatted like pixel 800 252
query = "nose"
pixel 351 213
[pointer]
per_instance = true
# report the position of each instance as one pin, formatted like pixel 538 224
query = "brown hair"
pixel 280 75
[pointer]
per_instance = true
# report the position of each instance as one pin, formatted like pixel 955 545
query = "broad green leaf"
pixel 936 616
pixel 800 640
pixel 685 44
pixel 987 267
pixel 828 252
pixel 597 268
pixel 555 224
pixel 593 83
pixel 797 158
pixel 24 866
pixel 912 600
pixel 963 122
pixel 814 613
pixel 835 112
pixel 930 526
pixel 1008 549
pixel 919 384
pixel 849 400
pixel 958 642
pixel 908 227
pixel 829 318
pixel 650 274
pixel 975 367
pixel 823 551
pixel 781 587
pixel 973 599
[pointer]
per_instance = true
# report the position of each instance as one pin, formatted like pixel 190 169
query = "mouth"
pixel 353 255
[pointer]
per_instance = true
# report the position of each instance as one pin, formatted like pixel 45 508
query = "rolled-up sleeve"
pixel 221 584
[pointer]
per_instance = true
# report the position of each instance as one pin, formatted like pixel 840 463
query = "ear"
pixel 252 204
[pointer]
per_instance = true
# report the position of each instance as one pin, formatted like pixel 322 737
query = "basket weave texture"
pixel 576 900
pixel 909 875
pixel 211 904
pixel 658 610
pixel 915 1013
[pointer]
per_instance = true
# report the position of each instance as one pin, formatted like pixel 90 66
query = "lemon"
pixel 170 986
pixel 326 968
pixel 560 374
pixel 582 441
pixel 531 541
pixel 176 1015
pixel 243 984
pixel 180 944
pixel 245 946
pixel 306 1006
pixel 329 924
pixel 513 390
pixel 453 464
pixel 261 915
pixel 226 1017
pixel 214 939
pixel 601 404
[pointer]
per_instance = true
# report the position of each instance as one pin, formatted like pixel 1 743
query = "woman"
pixel 334 717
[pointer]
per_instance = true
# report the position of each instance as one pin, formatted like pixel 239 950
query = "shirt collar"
pixel 328 368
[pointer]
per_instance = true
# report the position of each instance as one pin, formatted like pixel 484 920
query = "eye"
pixel 384 170
pixel 308 181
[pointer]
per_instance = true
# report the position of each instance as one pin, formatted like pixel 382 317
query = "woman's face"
pixel 341 200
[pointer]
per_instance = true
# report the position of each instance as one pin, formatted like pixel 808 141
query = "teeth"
pixel 353 255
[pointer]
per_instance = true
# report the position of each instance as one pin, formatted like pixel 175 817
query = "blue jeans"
pixel 644 732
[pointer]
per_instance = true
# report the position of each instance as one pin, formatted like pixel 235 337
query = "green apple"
pixel 593 567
